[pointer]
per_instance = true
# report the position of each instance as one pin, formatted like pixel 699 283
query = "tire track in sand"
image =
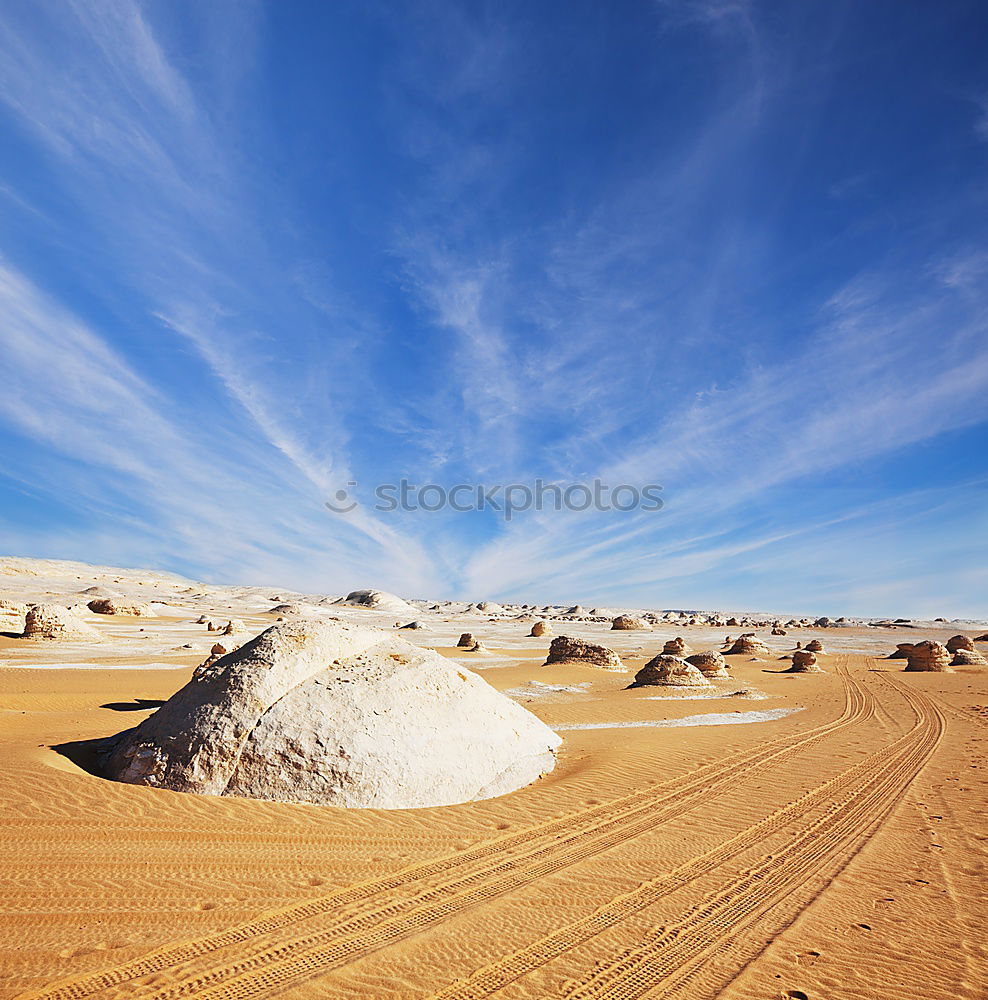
pixel 496 975
pixel 484 871
pixel 668 961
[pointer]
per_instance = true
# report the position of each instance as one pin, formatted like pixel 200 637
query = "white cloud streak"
pixel 591 341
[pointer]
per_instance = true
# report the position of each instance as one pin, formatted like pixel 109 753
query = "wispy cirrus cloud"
pixel 133 144
pixel 227 502
pixel 482 245
pixel 864 387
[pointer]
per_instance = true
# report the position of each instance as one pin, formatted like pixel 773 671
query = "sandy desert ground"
pixel 831 844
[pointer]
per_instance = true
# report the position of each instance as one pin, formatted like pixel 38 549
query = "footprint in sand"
pixel 90 950
pixel 807 958
pixel 206 906
pixel 75 952
pixel 794 995
pixel 111 945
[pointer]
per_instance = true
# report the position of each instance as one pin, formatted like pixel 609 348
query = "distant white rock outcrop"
pixel 115 606
pixel 51 622
pixel 379 600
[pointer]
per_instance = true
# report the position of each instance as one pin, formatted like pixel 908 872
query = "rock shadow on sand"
pixel 137 705
pixel 87 755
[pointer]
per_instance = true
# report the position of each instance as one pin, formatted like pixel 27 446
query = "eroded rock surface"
pixel 670 671
pixel 628 623
pixel 330 713
pixel 51 622
pixel 928 655
pixel 804 662
pixel 710 664
pixel 565 649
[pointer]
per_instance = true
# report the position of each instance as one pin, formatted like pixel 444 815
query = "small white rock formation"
pixel 97 591
pixel 477 647
pixel 628 623
pixel 466 640
pixel 928 655
pixel 413 625
pixel 490 608
pixel 804 662
pixel 676 647
pixel 710 664
pixel 778 630
pixel 335 714
pixel 956 642
pixel 564 649
pixel 815 646
pixel 968 658
pixel 114 606
pixel 50 622
pixel 285 609
pixel 234 627
pixel 670 671
pixel 218 651
pixel 748 644
pixel 540 628
pixel 378 600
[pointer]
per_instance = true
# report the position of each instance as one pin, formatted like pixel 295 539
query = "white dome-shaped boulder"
pixel 956 642
pixel 328 713
pixel 676 647
pixel 379 600
pixel 968 658
pixel 566 649
pixel 804 662
pixel 285 609
pixel 710 664
pixel 747 644
pixel 628 623
pixel 670 671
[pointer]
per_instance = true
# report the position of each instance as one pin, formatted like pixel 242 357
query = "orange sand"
pixel 835 853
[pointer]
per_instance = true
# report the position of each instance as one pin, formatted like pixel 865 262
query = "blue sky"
pixel 250 253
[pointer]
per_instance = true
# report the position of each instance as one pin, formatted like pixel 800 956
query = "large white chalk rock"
pixel 336 714
pixel 51 622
